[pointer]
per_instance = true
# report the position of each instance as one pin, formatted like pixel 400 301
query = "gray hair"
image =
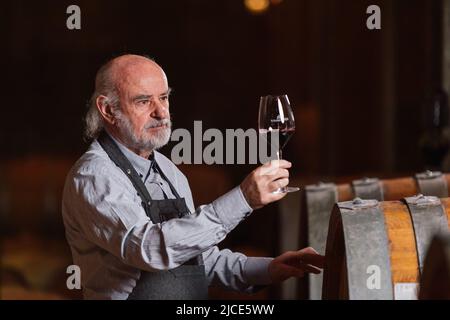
pixel 93 121
pixel 104 86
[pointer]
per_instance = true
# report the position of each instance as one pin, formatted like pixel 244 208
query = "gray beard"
pixel 152 142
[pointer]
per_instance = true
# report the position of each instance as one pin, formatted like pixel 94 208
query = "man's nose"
pixel 160 111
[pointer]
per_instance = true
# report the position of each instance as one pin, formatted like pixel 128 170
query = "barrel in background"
pixel 375 250
pixel 435 282
pixel 319 199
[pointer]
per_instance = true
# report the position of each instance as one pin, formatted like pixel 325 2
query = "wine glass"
pixel 276 117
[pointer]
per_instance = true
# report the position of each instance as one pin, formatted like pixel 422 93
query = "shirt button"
pixel 140 175
pixel 221 234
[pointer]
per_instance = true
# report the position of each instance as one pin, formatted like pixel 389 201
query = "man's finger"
pixel 277 164
pixel 280 183
pixel 278 174
pixel 273 172
pixel 313 259
pixel 308 250
pixel 276 196
pixel 311 269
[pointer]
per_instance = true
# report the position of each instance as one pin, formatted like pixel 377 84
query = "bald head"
pixel 125 69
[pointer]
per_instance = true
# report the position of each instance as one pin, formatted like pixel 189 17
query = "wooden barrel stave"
pixel 392 189
pixel 402 250
pixel 435 282
pixel 402 243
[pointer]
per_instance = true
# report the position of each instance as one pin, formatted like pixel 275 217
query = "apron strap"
pixel 162 174
pixel 114 153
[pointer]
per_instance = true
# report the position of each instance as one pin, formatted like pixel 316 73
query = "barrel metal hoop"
pixel 358 203
pixel 368 188
pixel 432 183
pixel 320 199
pixel 367 253
pixel 428 218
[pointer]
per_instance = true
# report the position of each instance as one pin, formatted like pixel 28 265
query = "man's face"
pixel 143 120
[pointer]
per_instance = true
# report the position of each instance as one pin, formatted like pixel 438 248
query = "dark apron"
pixel 186 282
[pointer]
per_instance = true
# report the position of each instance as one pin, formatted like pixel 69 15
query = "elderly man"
pixel 128 211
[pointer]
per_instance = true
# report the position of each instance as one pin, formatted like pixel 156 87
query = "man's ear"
pixel 105 109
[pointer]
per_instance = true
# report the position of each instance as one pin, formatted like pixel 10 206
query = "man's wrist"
pixel 256 271
pixel 245 197
pixel 232 207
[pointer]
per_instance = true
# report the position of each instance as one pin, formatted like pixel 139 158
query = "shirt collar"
pixel 139 163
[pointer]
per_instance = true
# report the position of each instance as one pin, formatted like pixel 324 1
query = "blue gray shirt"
pixel 112 239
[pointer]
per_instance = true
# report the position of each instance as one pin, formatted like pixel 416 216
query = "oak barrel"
pixel 376 250
pixel 318 200
pixel 435 282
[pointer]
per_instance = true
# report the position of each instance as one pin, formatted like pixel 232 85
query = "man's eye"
pixel 143 102
pixel 165 98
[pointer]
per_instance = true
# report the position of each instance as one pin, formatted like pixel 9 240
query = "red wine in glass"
pixel 285 135
pixel 276 116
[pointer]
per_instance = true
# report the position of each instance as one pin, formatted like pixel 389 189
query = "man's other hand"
pixel 295 264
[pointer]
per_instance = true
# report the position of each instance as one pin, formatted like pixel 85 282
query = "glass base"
pixel 286 190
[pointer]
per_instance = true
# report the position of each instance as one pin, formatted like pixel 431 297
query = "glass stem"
pixel 280 154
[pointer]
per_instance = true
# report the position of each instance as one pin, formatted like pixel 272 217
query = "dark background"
pixel 361 98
